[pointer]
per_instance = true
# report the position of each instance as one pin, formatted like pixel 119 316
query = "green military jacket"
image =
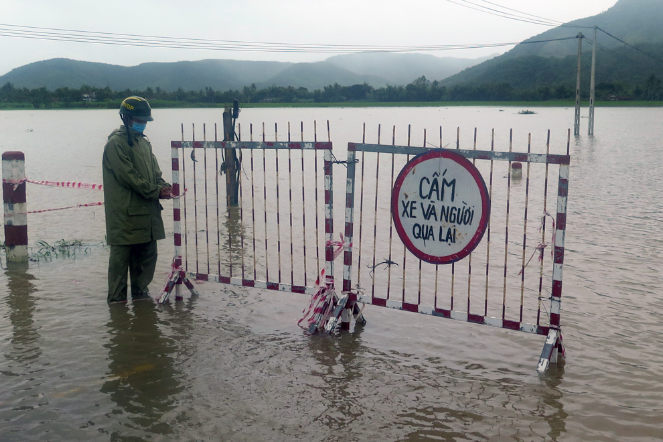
pixel 132 183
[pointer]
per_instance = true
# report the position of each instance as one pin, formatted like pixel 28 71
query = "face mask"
pixel 138 127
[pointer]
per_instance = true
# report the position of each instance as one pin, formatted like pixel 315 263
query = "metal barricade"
pixel 271 239
pixel 499 283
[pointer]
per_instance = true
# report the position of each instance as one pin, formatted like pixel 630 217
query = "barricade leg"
pixel 552 350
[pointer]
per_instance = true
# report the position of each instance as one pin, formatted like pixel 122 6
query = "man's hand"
pixel 165 194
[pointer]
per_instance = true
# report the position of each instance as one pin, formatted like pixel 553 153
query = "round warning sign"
pixel 440 206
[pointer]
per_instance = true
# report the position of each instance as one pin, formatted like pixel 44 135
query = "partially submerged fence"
pixel 274 239
pixel 499 283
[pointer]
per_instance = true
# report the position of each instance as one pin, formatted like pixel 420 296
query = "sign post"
pixel 440 206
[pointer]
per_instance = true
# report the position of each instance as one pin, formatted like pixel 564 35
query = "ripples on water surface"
pixel 233 365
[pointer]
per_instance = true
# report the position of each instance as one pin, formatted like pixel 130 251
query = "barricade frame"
pixel 554 343
pixel 179 208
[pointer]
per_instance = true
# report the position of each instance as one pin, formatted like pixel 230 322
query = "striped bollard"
pixel 13 196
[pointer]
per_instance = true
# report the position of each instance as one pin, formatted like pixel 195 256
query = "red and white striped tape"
pixel 71 184
pixel 101 203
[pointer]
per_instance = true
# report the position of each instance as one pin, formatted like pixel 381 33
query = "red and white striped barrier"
pixel 100 203
pixel 70 184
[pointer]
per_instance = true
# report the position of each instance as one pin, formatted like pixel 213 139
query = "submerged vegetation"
pixel 420 92
pixel 59 249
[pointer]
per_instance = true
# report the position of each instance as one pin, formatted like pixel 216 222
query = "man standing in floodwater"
pixel 132 188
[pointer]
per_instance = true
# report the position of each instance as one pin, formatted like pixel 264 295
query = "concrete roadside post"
pixel 15 206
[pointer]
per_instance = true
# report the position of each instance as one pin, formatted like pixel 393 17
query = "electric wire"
pixel 55 34
pixel 521 12
pixel 628 44
pixel 510 16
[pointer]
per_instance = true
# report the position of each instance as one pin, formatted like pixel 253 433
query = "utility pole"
pixel 230 163
pixel 576 124
pixel 592 88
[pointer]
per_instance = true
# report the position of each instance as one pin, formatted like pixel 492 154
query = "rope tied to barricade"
pixel 541 246
pixel 337 161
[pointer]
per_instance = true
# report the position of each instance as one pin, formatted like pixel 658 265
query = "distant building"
pixel 90 97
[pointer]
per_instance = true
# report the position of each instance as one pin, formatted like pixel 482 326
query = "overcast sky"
pixel 366 22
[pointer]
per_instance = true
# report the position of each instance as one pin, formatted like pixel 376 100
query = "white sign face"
pixel 440 206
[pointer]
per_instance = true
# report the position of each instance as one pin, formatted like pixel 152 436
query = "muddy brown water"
pixel 232 364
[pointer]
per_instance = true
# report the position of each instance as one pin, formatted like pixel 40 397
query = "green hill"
pixel 554 64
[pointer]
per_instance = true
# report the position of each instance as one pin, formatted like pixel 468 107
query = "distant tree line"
pixel 420 90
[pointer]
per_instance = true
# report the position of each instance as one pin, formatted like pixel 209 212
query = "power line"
pixel 627 44
pixel 107 38
pixel 503 14
pixel 523 13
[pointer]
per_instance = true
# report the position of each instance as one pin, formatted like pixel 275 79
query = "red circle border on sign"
pixel 485 206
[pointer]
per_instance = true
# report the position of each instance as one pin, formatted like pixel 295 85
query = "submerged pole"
pixel 592 88
pixel 232 188
pixel 14 199
pixel 576 124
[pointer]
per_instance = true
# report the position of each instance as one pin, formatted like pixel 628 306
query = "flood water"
pixel 232 364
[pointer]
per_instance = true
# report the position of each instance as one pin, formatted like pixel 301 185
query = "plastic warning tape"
pixel 101 203
pixel 72 184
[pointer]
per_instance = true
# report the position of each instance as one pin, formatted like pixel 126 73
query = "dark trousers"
pixel 140 260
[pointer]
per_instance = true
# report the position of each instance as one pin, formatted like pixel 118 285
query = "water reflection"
pixel 21 303
pixel 338 367
pixel 552 398
pixel 143 379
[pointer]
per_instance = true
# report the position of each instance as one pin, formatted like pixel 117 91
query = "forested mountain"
pixel 403 68
pixel 553 64
pixel 235 74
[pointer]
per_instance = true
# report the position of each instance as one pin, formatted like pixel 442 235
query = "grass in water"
pixel 60 249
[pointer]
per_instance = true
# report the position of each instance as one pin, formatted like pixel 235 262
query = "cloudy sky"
pixel 330 22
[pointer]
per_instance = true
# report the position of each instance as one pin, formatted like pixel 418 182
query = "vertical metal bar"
pixel 241 201
pixel 304 209
pixel 177 223
pixel 253 210
pixel 328 132
pixel 409 127
pixel 453 264
pixel 361 207
pixel 560 232
pixel 522 273
pixel 490 198
pixel 264 200
pixel 292 264
pixel 349 220
pixel 506 233
pixel 218 217
pixel 317 206
pixel 229 198
pixel 419 289
pixel 186 241
pixel 543 232
pixel 375 217
pixel 329 216
pixel 391 221
pixel 469 259
pixel 278 203
pixel 195 195
pixel 206 205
